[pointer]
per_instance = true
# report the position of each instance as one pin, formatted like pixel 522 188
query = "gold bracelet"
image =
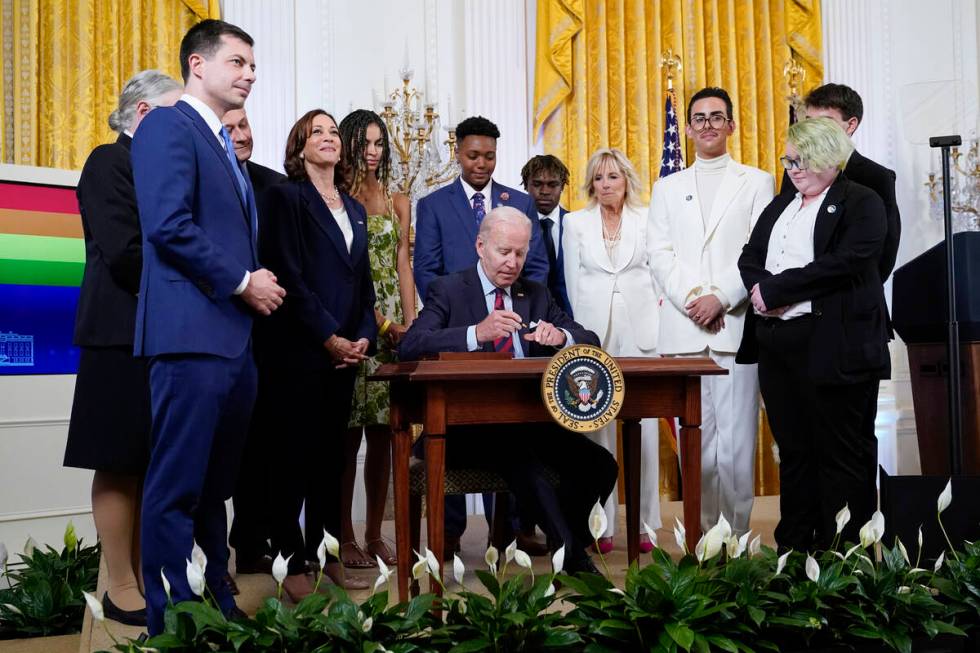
pixel 384 328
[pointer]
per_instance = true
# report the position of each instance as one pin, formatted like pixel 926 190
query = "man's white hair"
pixel 501 215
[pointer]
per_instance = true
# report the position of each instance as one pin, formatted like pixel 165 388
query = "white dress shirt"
pixel 487 192
pixel 489 294
pixel 791 244
pixel 214 124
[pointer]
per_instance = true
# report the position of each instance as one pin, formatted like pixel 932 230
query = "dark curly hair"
pixel 476 126
pixel 353 136
pixel 544 163
pixel 295 143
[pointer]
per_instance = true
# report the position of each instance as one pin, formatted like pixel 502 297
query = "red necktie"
pixel 504 343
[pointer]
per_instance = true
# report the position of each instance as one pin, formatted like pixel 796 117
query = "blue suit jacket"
pixel 445 234
pixel 197 239
pixel 456 302
pixel 328 290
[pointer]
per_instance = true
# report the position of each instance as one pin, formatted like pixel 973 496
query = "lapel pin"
pixel 832 209
pixel 689 198
pixel 504 196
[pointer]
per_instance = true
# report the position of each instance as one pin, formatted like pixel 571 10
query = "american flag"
pixel 672 160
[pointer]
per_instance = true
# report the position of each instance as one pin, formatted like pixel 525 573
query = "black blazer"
pixel 850 338
pixel 456 301
pixel 106 313
pixel 862 170
pixel 328 290
pixel 262 178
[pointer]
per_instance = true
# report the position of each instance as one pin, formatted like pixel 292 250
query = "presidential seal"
pixel 583 388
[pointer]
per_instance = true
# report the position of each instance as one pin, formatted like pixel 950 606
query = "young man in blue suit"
pixel 448 219
pixel 200 288
pixel 544 178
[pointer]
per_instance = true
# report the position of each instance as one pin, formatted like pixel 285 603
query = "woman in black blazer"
pixel 818 330
pixel 109 430
pixel 315 238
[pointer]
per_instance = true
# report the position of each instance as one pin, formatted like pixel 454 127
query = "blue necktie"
pixel 479 210
pixel 243 185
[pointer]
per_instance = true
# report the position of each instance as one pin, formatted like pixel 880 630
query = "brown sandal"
pixel 363 561
pixel 380 549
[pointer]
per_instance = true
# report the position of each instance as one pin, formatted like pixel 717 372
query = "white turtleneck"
pixel 708 174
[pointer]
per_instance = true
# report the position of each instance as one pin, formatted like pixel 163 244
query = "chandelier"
pixel 964 190
pixel 414 128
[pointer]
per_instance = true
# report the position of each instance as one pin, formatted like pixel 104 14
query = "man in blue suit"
pixel 447 220
pixel 201 285
pixel 544 178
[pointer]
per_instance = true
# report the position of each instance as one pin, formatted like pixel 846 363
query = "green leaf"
pixel 471 646
pixel 681 634
pixel 758 615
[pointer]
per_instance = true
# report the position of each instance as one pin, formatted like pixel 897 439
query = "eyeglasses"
pixel 789 163
pixel 716 120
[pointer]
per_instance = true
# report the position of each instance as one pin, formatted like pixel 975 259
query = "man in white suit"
pixel 700 218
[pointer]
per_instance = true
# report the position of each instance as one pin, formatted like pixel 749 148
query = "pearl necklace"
pixel 330 198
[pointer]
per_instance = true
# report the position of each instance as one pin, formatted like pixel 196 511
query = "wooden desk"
pixel 444 393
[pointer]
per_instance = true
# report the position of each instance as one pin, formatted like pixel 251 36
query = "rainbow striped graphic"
pixel 42 257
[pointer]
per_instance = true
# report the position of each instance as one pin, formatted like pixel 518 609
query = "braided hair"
pixel 353 136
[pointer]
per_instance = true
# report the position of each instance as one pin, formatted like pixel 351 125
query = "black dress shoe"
pixel 128 617
pixel 259 565
pixel 583 565
pixel 236 614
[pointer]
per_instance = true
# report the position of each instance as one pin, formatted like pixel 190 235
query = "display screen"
pixel 42 257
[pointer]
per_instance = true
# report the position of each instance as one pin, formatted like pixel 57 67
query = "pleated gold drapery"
pixel 598 83
pixel 64 64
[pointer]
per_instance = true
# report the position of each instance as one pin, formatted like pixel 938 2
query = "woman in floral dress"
pixel 368 158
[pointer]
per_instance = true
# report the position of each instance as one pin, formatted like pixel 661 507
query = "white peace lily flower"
pixel 432 562
pixel 680 535
pixel 280 568
pixel 878 525
pixel 458 569
pixel 903 551
pixel 509 552
pixel 418 569
pixel 522 559
pixel 812 569
pixel 380 582
pixel 558 560
pixel 198 558
pixel 699 548
pixel 491 557
pixel 842 518
pixel 383 568
pixel 650 533
pixel 70 538
pixel 321 554
pixel 726 528
pixel 166 583
pixel 904 589
pixel 95 606
pixel 945 497
pixel 755 546
pixel 550 591
pixel 781 562
pixel 866 535
pixel 741 544
pixel 616 590
pixel 920 536
pixel 333 545
pixel 713 540
pixel 731 547
pixel 29 547
pixel 366 626
pixel 918 570
pixel 3 557
pixel 939 562
pixel 13 608
pixel 852 550
pixel 597 521
pixel 195 578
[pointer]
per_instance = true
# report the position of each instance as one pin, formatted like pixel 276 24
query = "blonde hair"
pixel 821 143
pixel 616 158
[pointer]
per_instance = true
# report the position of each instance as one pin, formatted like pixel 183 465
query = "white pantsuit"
pixel 694 255
pixel 617 300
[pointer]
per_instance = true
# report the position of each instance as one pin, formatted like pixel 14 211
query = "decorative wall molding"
pixel 35 422
pixel 70 511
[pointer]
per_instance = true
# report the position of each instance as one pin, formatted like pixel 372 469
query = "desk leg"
pixel 435 480
pixel 691 473
pixel 401 446
pixel 632 465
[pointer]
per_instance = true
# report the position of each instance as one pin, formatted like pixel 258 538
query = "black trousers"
pixel 520 454
pixel 305 455
pixel 825 433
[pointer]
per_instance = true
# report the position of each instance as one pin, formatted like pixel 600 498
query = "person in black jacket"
pixel 315 236
pixel 818 330
pixel 109 430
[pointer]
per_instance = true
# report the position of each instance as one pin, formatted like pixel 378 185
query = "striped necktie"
pixel 503 343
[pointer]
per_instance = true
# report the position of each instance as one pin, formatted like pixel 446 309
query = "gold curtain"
pixel 64 64
pixel 598 83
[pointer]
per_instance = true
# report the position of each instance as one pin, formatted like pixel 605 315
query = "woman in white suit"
pixel 611 290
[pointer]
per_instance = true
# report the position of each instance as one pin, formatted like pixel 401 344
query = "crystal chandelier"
pixel 964 190
pixel 414 126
